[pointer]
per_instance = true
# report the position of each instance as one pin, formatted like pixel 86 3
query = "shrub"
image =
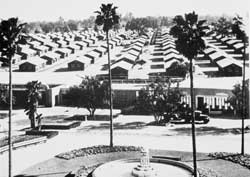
pixel 48 134
pixel 62 127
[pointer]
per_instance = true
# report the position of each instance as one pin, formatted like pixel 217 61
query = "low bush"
pixel 95 150
pixel 243 160
pixel 101 117
pixel 76 117
pixel 87 117
pixel 48 134
pixel 61 127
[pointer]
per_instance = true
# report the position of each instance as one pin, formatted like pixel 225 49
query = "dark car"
pixel 199 117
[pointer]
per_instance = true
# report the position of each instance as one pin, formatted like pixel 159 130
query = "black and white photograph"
pixel 124 88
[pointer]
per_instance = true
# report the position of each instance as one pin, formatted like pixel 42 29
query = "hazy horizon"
pixel 51 10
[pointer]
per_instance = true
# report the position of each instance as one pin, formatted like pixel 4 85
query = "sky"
pixel 51 10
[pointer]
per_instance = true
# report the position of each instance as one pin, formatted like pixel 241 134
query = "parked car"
pixel 199 117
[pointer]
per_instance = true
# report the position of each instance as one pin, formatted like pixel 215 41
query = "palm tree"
pixel 239 32
pixel 189 42
pixel 108 18
pixel 33 96
pixel 9 39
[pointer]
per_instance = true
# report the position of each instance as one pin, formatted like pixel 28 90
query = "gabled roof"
pixel 138 44
pixel 101 49
pixel 134 52
pixel 135 47
pixel 217 55
pixel 168 42
pixel 169 46
pixel 87 41
pixel 63 50
pixel 51 44
pixel 170 62
pixel 127 56
pixel 73 46
pixel 122 64
pixel 28 51
pixel 80 43
pixel 34 61
pixel 172 56
pixel 62 42
pixel 170 51
pixel 51 55
pixel 209 50
pixel 93 54
pixel 238 46
pixel 41 48
pixel 233 41
pixel 227 61
pixel 34 43
pixel 224 39
pixel 82 59
pixel 141 40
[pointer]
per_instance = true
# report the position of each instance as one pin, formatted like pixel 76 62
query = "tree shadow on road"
pixel 62 70
pixel 117 126
pixel 25 176
pixel 209 130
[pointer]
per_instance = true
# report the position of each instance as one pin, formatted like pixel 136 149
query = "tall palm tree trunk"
pixel 243 103
pixel 110 93
pixel 193 116
pixel 32 121
pixel 10 113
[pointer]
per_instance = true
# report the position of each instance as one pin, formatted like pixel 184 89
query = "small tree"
pixel 236 100
pixel 178 69
pixel 91 94
pixel 223 26
pixel 33 96
pixel 159 99
pixel 4 96
pixel 142 104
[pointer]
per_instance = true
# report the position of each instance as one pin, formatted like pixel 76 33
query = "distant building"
pixel 76 65
pixel 93 55
pixel 120 69
pixel 102 51
pixel 64 52
pixel 27 53
pixel 51 57
pixel 32 64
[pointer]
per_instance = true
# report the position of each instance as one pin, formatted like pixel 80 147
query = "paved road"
pixel 131 130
